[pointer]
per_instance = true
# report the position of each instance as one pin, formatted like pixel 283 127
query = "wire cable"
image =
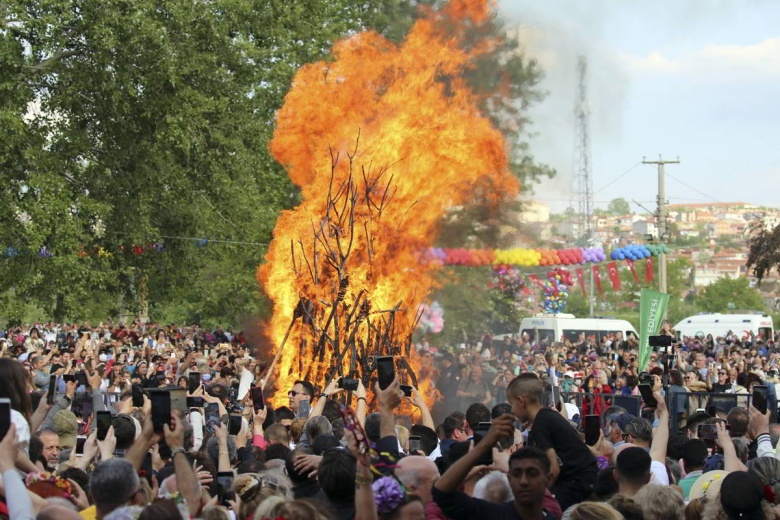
pixel 617 178
pixel 694 189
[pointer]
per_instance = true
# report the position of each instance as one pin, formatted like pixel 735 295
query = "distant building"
pixel 644 227
pixel 535 212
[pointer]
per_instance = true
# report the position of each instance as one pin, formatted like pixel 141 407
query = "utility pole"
pixel 663 233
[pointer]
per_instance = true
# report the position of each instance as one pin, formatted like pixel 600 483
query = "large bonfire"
pixel 382 141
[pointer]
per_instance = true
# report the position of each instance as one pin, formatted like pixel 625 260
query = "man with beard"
pixel 51 448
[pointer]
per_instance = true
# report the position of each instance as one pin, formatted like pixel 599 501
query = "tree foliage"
pixel 763 250
pixel 131 123
pixel 619 206
pixel 150 121
pixel 730 293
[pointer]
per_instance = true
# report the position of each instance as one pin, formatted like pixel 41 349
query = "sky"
pixel 693 79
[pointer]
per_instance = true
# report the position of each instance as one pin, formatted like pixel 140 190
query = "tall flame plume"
pixel 382 141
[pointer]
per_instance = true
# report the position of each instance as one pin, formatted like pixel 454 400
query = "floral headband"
pixel 43 478
pixel 388 494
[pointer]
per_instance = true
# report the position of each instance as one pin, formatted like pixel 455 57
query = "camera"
pixel 646 378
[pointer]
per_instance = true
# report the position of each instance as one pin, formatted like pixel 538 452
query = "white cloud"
pixel 714 62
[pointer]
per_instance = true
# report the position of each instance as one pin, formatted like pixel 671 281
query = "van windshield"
pixel 765 333
pixel 544 335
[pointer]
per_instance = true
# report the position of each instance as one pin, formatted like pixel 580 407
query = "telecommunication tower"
pixel 582 180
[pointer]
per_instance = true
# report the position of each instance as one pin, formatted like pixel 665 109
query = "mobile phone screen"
pixel 178 399
pixel 385 367
pixel 224 487
pixel 138 395
pixel 479 432
pixel 556 395
pixel 304 409
pixel 257 398
pixel 760 398
pixel 5 416
pixel 234 424
pixel 80 445
pixel 194 382
pixel 146 467
pixel 212 416
pixel 407 390
pixel 52 389
pixel 592 428
pixel 647 396
pixel 103 420
pixel 707 431
pixel 415 444
pixel 161 409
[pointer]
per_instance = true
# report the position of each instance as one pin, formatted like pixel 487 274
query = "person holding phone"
pixel 528 473
pixel 301 391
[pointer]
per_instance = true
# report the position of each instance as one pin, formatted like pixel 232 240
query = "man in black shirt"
pixel 528 477
pixel 572 466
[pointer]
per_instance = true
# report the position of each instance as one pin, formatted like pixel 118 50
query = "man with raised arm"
pixel 572 466
pixel 528 474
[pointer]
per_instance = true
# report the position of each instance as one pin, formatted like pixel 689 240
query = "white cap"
pixel 568 373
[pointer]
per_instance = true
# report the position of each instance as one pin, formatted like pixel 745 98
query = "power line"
pixel 617 178
pixel 694 189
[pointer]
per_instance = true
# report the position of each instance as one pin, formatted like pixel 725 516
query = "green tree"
pixel 763 249
pixel 730 293
pixel 145 122
pixel 619 206
pixel 476 309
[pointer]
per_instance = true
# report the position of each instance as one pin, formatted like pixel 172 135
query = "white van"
pixel 557 327
pixel 719 325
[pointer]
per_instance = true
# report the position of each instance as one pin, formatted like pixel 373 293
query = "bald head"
pixel 418 474
pixel 620 448
pixel 58 513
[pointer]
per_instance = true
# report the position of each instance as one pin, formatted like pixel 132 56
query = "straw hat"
pixel 707 485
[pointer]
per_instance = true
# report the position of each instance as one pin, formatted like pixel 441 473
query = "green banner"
pixel 652 308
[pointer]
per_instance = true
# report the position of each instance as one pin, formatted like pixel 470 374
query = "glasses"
pixel 293 393
pixel 722 373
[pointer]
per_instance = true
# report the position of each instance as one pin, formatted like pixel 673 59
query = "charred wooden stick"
pixel 270 370
pixel 319 349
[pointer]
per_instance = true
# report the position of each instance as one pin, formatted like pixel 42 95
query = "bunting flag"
pixel 649 270
pixel 633 269
pixel 526 290
pixel 614 275
pixel 581 280
pixel 597 278
pixel 535 279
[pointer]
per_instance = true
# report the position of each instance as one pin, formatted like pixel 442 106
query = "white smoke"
pixel 556 38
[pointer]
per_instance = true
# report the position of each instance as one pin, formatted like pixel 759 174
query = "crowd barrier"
pixel 680 405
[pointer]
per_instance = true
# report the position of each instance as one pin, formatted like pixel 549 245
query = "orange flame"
pixel 396 126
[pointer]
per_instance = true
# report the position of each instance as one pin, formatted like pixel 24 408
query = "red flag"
pixel 633 269
pixel 649 270
pixel 614 275
pixel 536 280
pixel 526 290
pixel 581 280
pixel 597 278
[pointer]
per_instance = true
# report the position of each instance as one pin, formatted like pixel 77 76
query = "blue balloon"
pixel 621 256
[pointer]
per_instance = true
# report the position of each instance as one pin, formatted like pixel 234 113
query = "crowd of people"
pixel 503 430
